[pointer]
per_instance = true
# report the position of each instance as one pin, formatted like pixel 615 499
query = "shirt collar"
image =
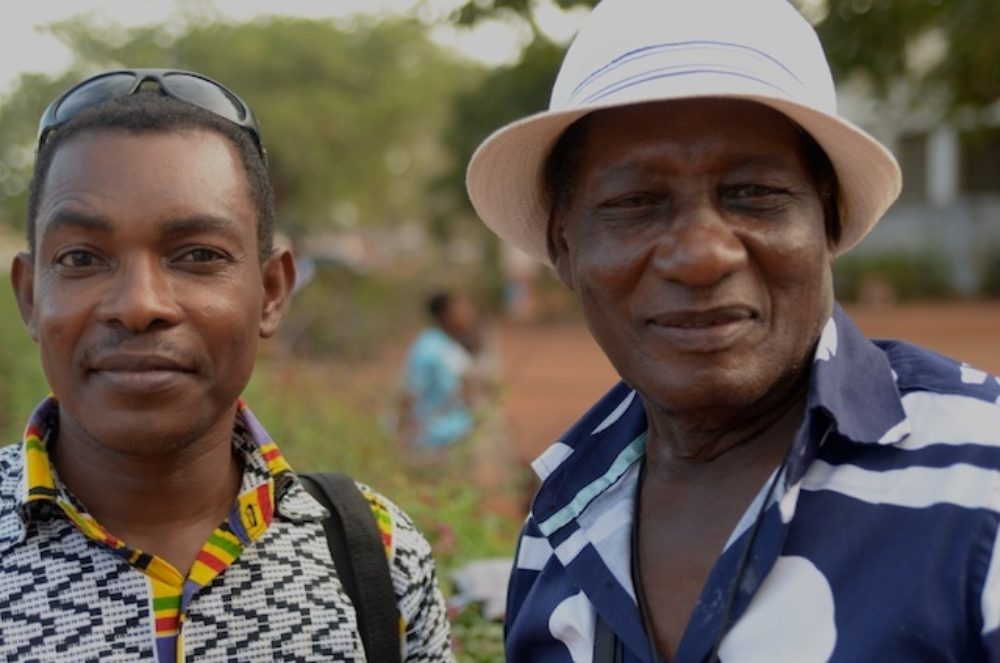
pixel 35 485
pixel 852 390
pixel 854 383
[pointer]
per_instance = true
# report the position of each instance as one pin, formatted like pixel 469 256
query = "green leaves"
pixel 893 40
pixel 350 114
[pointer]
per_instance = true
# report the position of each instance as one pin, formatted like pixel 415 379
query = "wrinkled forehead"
pixel 693 127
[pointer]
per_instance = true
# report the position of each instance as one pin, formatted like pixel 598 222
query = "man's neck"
pixel 698 482
pixel 166 504
pixel 762 434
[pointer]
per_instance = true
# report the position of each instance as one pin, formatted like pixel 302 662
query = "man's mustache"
pixel 141 343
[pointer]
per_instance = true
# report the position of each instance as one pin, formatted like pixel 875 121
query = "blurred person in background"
pixel 442 383
pixel 765 483
pixel 147 514
pixel 450 410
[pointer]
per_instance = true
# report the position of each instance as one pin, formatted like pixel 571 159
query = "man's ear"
pixel 22 279
pixel 279 281
pixel 555 237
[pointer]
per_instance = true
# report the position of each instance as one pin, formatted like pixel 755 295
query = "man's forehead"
pixel 117 164
pixel 99 178
pixel 754 134
pixel 721 114
pixel 106 144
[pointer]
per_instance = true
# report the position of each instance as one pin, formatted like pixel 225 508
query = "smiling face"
pixel 145 291
pixel 694 238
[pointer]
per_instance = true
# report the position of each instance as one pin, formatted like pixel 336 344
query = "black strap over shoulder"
pixel 607 646
pixel 356 547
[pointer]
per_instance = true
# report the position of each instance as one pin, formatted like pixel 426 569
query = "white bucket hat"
pixel 634 51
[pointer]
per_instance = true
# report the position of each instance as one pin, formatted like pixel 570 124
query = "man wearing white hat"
pixel 765 484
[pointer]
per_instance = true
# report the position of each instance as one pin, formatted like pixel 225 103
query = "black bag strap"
pixel 607 646
pixel 356 547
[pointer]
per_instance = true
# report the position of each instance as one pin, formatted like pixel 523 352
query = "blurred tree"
pixel 522 89
pixel 351 115
pixel 19 115
pixel 948 47
pixel 935 45
pixel 474 11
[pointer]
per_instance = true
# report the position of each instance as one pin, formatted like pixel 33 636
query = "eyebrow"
pixel 190 225
pixel 202 223
pixel 68 218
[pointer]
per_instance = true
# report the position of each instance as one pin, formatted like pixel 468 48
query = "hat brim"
pixel 505 177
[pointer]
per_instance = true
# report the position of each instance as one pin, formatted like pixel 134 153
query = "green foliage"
pixel 873 37
pixel 322 425
pixel 319 427
pixel 524 88
pixel 476 10
pixel 346 314
pixel 349 116
pixel 19 115
pixel 22 384
pixel 477 639
pixel 900 275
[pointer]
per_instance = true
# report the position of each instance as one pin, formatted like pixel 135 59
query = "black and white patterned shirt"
pixel 68 595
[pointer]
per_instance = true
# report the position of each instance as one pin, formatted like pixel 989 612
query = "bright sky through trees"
pixel 28 47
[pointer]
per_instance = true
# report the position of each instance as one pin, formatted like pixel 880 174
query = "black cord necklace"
pixel 744 562
pixel 640 594
pixel 745 555
pixel 741 567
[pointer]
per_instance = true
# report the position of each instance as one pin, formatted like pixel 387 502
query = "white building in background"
pixel 950 204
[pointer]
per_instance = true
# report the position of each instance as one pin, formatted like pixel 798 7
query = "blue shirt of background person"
pixel 436 410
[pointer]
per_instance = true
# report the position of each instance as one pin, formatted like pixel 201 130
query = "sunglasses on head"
pixel 187 86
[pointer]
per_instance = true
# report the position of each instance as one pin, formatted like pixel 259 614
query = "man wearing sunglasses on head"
pixel 147 515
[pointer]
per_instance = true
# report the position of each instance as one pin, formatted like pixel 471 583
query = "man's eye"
pixel 752 192
pixel 201 254
pixel 77 258
pixel 630 201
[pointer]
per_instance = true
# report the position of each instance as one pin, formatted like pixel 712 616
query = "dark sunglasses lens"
pixel 205 94
pixel 92 93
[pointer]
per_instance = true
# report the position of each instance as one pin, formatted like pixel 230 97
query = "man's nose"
pixel 699 248
pixel 142 296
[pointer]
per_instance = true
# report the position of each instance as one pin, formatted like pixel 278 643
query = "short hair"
pixel 149 111
pixel 437 305
pixel 562 167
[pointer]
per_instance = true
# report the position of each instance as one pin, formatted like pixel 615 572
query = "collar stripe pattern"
pixel 171 592
pixel 635 449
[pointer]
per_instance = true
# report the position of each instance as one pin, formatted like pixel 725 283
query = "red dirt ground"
pixel 553 373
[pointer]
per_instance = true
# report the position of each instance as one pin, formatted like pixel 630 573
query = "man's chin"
pixel 137 434
pixel 721 391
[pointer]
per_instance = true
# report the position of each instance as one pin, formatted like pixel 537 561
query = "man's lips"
pixel 705 330
pixel 720 315
pixel 140 374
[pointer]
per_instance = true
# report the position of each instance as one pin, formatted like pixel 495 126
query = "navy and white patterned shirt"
pixel 880 543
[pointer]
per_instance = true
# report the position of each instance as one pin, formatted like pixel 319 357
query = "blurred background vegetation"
pixel 369 123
